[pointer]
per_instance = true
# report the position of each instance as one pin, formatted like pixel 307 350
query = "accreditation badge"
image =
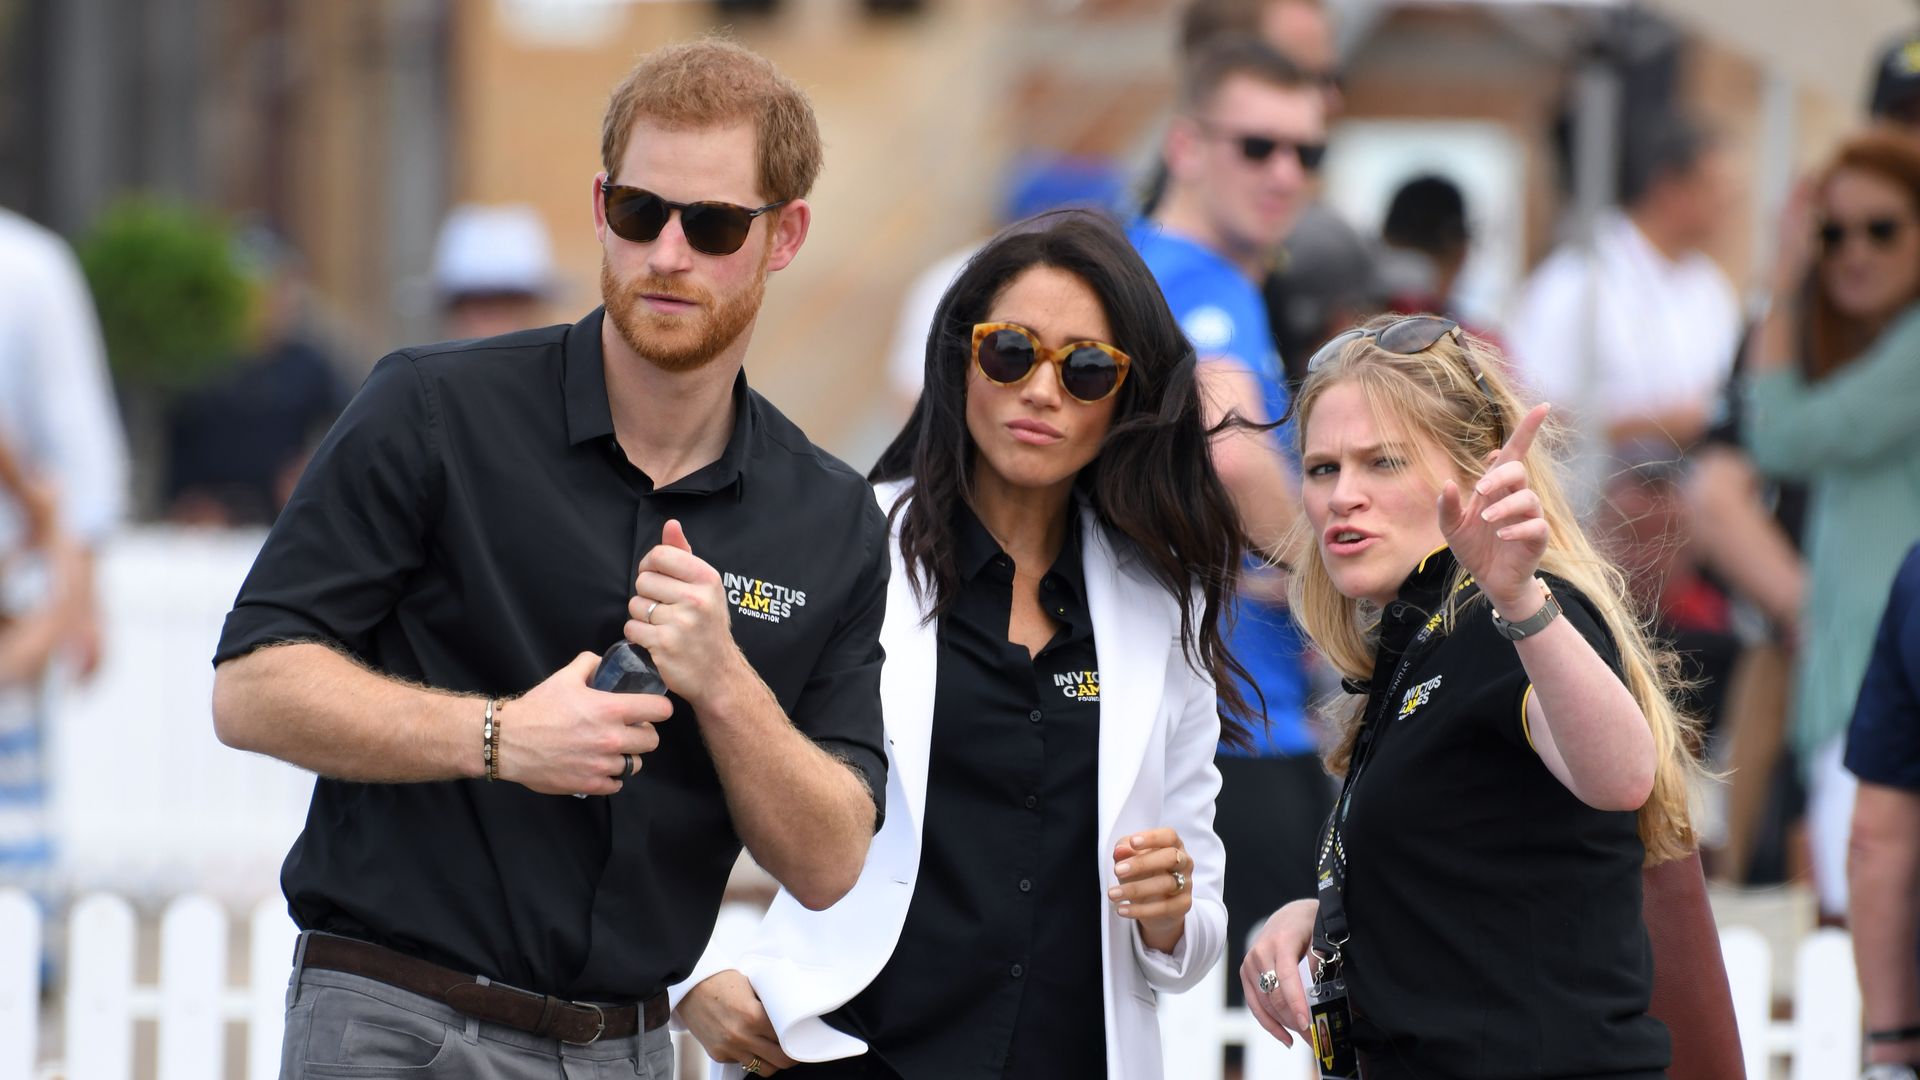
pixel 1332 1028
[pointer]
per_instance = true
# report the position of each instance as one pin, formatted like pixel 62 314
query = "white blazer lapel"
pixel 1132 627
pixel 907 679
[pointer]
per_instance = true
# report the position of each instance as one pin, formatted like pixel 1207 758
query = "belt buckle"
pixel 601 1030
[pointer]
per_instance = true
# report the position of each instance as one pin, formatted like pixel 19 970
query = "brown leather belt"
pixel 539 1014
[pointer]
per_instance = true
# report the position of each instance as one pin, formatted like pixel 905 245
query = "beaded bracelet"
pixel 490 747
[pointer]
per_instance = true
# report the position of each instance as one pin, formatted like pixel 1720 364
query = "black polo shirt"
pixel 997 972
pixel 1496 921
pixel 470 523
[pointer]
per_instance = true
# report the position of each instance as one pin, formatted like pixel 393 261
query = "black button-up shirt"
pixel 1495 918
pixel 997 973
pixel 470 523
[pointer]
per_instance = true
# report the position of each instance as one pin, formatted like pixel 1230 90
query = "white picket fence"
pixel 196 996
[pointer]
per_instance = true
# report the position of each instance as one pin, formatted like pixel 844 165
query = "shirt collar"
pixel 1424 588
pixel 590 413
pixel 977 549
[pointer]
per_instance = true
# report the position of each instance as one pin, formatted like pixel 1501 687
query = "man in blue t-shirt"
pixel 1239 154
pixel 1883 869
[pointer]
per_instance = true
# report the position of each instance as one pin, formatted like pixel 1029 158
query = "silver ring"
pixel 648 618
pixel 1269 981
pixel 631 766
pixel 1179 881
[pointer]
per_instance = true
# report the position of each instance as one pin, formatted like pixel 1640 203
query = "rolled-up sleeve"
pixel 357 525
pixel 839 707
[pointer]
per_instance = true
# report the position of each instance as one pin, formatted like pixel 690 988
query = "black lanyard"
pixel 1330 930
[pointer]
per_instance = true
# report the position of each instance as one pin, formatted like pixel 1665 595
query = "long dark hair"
pixel 1152 484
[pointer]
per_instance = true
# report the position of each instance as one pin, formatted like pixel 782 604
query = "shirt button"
pixel 1034 716
pixel 1016 971
pixel 1026 885
pixel 1047 584
pixel 1032 802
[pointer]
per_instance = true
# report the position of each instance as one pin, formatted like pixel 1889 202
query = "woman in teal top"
pixel 1852 432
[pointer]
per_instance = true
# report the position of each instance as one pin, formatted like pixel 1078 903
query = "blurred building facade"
pixel 351 127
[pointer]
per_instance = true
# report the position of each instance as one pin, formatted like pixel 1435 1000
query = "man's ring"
pixel 649 619
pixel 1179 881
pixel 630 768
pixel 752 1066
pixel 1269 981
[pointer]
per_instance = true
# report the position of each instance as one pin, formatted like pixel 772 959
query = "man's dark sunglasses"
pixel 1256 149
pixel 1880 230
pixel 1406 337
pixel 717 228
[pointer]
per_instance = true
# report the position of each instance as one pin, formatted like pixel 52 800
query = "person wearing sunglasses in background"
pixel 1240 155
pixel 485 518
pixel 1833 382
pixel 1511 751
pixel 1063 549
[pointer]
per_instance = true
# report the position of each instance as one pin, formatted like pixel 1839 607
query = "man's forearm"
pixel 805 815
pixel 311 706
pixel 1883 876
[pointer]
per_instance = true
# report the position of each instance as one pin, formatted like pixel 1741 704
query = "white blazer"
pixel 1158 729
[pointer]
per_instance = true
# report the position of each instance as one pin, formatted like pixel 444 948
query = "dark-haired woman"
pixel 1062 548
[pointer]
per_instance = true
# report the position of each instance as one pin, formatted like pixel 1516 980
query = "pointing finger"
pixel 1522 439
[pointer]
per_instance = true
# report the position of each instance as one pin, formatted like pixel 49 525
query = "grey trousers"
pixel 341 1025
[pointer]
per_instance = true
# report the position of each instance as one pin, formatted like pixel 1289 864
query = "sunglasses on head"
pixel 1407 337
pixel 1881 231
pixel 1256 149
pixel 1006 354
pixel 716 228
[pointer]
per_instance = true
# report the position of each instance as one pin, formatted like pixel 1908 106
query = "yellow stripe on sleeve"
pixel 1525 727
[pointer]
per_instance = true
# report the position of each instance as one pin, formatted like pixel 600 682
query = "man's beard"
pixel 678 343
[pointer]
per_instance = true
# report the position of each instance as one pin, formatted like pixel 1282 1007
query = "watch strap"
pixel 1532 624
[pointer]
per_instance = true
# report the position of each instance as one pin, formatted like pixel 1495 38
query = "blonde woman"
pixel 1510 752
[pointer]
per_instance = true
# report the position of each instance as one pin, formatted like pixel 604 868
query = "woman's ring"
pixel 649 617
pixel 752 1066
pixel 1269 981
pixel 1179 881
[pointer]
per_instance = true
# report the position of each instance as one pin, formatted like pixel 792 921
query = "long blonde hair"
pixel 1436 396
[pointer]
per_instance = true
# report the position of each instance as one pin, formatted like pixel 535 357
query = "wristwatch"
pixel 1532 624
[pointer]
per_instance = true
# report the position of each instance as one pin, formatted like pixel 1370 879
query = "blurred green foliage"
pixel 173 300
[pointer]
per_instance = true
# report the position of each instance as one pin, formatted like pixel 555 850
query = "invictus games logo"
pixel 1079 685
pixel 1418 696
pixel 761 599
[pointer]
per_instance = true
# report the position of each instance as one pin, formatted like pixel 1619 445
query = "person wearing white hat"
pixel 492 270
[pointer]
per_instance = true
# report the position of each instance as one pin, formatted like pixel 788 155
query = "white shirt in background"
pixel 57 409
pixel 1665 329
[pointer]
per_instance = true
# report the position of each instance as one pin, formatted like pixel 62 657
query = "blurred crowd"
pixel 1754 466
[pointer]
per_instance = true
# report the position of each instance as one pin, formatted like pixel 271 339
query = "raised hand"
pixel 1498 532
pixel 679 615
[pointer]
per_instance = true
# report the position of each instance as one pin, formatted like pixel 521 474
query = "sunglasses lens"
pixel 1332 348
pixel 1311 155
pixel 1257 148
pixel 1410 336
pixel 1089 374
pixel 715 228
pixel 1005 356
pixel 635 215
pixel 1882 230
pixel 1831 237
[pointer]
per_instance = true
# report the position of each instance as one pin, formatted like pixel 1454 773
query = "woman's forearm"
pixel 1583 722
